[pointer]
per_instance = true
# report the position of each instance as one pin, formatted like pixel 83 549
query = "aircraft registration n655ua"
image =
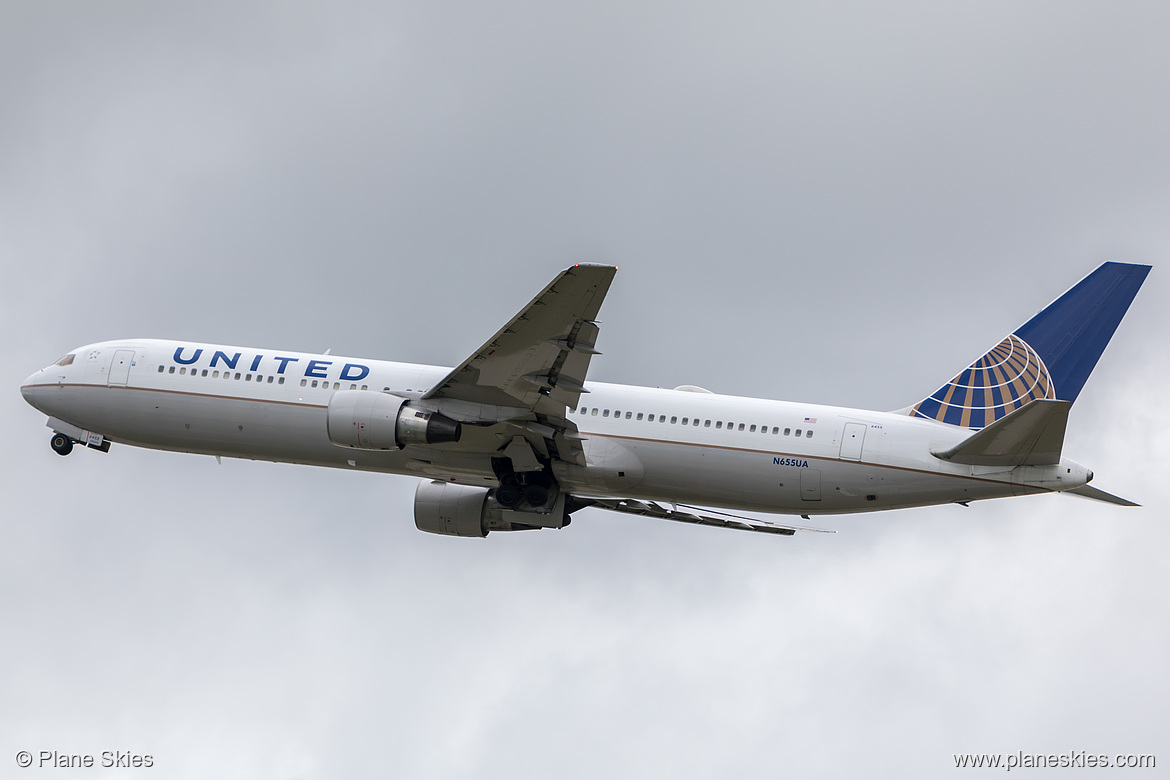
pixel 514 437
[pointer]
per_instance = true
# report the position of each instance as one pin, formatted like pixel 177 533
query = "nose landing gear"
pixel 61 444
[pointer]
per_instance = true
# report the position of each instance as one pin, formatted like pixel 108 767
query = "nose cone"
pixel 32 389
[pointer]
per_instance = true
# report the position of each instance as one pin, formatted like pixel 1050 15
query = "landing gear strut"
pixel 61 444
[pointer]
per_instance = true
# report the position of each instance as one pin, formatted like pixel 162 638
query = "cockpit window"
pixel 66 361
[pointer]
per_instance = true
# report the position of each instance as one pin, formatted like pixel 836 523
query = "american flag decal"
pixel 810 420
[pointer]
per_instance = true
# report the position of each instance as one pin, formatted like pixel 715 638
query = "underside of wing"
pixel 538 361
pixel 689 514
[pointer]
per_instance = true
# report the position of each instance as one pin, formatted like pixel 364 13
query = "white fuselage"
pixel 642 443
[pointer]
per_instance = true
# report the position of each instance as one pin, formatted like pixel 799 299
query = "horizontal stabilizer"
pixel 1084 491
pixel 1033 435
pixel 682 513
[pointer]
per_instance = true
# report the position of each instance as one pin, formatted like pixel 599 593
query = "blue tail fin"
pixel 1049 356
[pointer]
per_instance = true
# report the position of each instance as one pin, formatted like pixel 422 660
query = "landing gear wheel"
pixel 61 444
pixel 509 493
pixel 536 495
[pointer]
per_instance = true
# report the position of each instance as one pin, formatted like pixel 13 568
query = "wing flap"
pixel 1033 435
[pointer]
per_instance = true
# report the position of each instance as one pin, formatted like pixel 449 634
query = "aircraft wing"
pixel 690 514
pixel 535 366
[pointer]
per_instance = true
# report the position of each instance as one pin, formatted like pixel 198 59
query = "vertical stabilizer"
pixel 1050 356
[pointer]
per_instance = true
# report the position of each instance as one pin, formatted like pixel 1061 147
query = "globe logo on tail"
pixel 1003 380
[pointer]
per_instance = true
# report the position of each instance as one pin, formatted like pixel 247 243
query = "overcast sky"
pixel 818 202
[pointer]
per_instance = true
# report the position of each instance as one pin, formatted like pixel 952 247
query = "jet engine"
pixel 369 420
pixel 460 510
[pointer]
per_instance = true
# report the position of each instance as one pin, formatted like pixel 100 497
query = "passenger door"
pixel 120 367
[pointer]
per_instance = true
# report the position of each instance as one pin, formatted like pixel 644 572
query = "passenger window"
pixel 280 381
pixel 594 412
pixel 237 376
pixel 629 415
pixel 183 370
pixel 337 385
pixel 753 429
pixel 351 387
pixel 639 415
pixel 364 387
pixel 605 413
pixel 706 423
pixel 741 426
pixel 718 424
pixel 248 378
pixel 685 421
pixel 775 430
pixel 673 420
pixel 808 434
pixel 204 372
pixel 787 431
pixel 215 375
pixel 172 370
pixel 304 382
pixel 662 418
pixel 314 383
pixel 696 422
pixel 160 369
pixel 798 432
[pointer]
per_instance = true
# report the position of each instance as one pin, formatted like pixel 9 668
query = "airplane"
pixel 515 438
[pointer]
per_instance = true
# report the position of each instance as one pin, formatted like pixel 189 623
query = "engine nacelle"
pixel 460 510
pixel 369 420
